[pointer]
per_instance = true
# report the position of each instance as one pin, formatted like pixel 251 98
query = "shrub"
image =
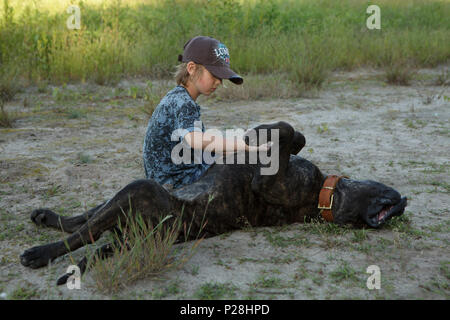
pixel 143 250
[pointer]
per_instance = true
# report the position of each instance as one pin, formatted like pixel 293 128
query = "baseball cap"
pixel 213 55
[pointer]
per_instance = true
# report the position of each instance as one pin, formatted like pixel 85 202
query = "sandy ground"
pixel 71 152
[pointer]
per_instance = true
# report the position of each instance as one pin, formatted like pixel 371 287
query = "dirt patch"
pixel 71 156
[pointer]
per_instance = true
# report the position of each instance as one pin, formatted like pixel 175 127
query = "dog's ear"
pixel 252 138
pixel 298 142
pixel 269 179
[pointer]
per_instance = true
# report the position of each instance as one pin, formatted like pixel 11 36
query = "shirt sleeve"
pixel 188 118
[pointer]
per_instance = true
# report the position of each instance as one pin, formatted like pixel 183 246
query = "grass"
pixel 171 289
pixel 142 250
pixel 24 293
pixel 5 118
pixel 443 79
pixel 215 291
pixel 439 283
pixel 399 73
pixel 306 39
pixel 322 128
pixel 9 84
pixel 269 282
pixel 325 229
pixel 258 86
pixel 360 235
pixel 403 225
pixel 444 269
pixel 84 158
pixel 344 272
pixel 152 95
pixel 278 240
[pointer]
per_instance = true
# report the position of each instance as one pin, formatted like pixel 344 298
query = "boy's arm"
pixel 200 140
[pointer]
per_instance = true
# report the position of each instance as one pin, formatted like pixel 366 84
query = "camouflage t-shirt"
pixel 177 110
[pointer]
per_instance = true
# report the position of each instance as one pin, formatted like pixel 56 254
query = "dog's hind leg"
pixel 144 196
pixel 47 218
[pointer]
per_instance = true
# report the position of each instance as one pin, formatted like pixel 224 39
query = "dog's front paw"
pixel 63 280
pixel 35 257
pixel 45 217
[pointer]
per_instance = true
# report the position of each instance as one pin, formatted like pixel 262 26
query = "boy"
pixel 205 62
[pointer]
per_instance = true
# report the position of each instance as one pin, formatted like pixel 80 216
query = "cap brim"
pixel 225 73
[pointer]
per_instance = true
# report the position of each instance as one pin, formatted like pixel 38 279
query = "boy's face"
pixel 206 83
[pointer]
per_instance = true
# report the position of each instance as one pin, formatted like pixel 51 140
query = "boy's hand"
pixel 264 147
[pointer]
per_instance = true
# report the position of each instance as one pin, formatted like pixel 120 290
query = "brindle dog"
pixel 233 194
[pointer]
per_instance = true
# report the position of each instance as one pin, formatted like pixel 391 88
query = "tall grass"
pixel 142 250
pixel 305 38
pixel 5 118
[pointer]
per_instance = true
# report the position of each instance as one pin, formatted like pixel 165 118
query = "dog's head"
pixel 366 202
pixel 354 202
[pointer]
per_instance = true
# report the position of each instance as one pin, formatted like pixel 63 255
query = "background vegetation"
pixel 304 38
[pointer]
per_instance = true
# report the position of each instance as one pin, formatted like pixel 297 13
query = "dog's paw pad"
pixel 35 257
pixel 44 217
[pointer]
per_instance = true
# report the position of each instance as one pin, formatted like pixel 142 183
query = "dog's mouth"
pixel 383 213
pixel 387 211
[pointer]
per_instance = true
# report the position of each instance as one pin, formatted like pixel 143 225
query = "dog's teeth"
pixel 382 214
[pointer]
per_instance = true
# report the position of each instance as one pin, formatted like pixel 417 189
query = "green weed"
pixel 277 240
pixel 6 119
pixel 214 291
pixel 307 39
pixel 344 272
pixel 399 74
pixel 142 250
pixel 24 293
pixel 84 158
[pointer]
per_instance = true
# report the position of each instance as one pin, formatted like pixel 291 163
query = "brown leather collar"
pixel 326 196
